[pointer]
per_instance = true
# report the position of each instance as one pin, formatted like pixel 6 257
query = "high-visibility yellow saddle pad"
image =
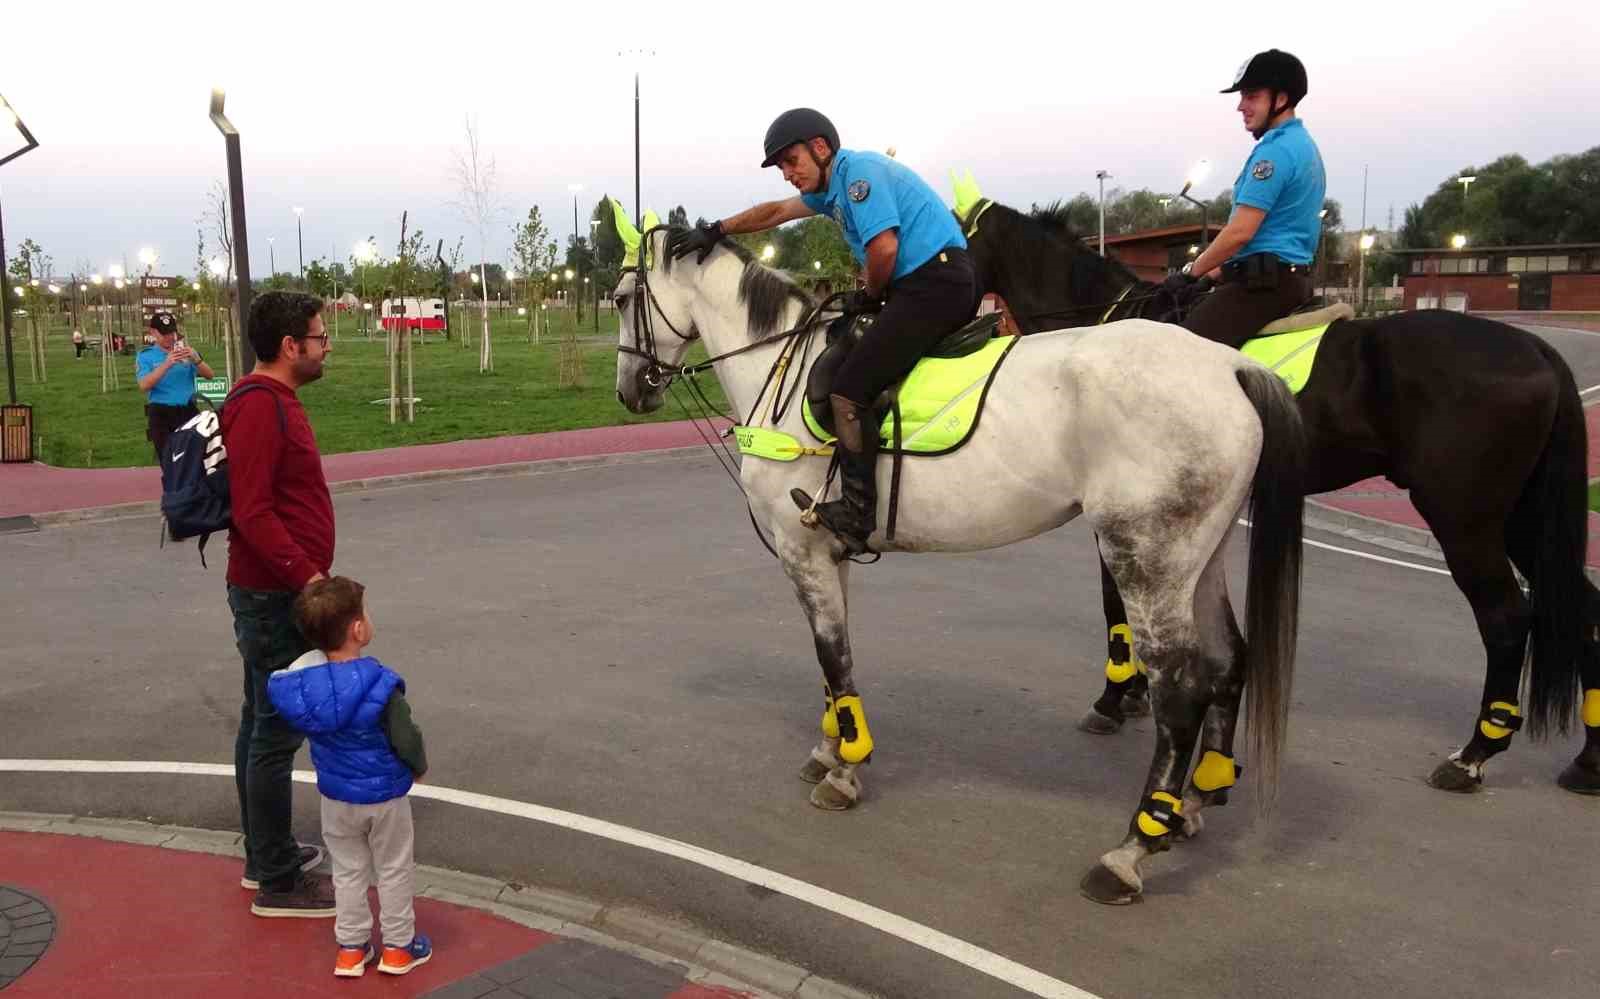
pixel 1289 355
pixel 940 401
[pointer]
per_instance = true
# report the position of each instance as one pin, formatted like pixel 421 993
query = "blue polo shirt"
pixel 869 193
pixel 1284 178
pixel 176 387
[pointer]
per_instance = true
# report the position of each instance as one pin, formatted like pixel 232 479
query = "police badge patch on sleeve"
pixel 858 190
pixel 1262 170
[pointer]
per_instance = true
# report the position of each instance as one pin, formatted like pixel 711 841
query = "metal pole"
pixel 300 246
pixel 5 306
pixel 1101 175
pixel 241 246
pixel 638 207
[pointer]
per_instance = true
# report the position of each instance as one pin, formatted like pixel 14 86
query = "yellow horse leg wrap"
pixel 1591 708
pixel 1494 724
pixel 830 718
pixel 1159 815
pixel 1121 636
pixel 855 743
pixel 1214 772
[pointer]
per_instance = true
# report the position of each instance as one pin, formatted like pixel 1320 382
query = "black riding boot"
pixel 854 515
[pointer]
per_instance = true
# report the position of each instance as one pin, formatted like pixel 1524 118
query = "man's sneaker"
pixel 310 898
pixel 310 856
pixel 399 960
pixel 352 961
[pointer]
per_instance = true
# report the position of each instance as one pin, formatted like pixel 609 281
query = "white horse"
pixel 1154 435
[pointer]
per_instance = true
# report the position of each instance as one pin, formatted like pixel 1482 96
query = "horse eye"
pixel 621 300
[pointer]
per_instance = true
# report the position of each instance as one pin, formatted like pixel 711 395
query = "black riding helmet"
pixel 1275 70
pixel 798 125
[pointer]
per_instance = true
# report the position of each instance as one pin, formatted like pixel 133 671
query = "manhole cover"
pixel 26 928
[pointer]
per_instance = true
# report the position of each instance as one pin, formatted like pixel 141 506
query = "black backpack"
pixel 194 476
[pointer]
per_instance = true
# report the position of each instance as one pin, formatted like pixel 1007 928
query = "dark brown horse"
pixel 1479 420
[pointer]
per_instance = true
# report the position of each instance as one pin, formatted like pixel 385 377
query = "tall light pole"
pixel 1101 176
pixel 1198 173
pixel 577 299
pixel 1367 240
pixel 9 118
pixel 300 243
pixel 241 242
pixel 272 256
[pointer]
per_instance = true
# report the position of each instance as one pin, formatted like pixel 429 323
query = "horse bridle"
pixel 656 374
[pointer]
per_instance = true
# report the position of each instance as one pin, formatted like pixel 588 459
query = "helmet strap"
pixel 1272 114
pixel 823 167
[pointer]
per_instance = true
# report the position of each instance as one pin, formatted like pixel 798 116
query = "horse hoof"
pixel 1452 776
pixel 1096 723
pixel 1136 705
pixel 1101 885
pixel 837 792
pixel 814 771
pixel 1580 779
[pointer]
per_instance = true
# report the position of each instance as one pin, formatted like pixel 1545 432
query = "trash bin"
pixel 16 433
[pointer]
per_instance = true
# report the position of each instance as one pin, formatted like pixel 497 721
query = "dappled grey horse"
pixel 1157 456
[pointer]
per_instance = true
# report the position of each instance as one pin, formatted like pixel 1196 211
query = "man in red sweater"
pixel 281 539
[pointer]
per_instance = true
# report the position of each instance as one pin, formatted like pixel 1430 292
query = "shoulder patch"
pixel 1262 170
pixel 858 190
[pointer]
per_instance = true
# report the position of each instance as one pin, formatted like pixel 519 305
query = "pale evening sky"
pixel 353 110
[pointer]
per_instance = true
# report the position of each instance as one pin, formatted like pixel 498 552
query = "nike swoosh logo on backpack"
pixel 180 454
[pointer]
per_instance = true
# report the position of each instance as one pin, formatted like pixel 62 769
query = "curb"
pixel 121 511
pixel 702 959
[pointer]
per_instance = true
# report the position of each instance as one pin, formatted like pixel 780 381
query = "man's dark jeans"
pixel 263 753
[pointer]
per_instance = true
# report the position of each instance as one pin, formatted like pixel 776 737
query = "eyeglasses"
pixel 322 337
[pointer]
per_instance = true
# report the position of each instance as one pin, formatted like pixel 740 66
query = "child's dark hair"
pixel 324 609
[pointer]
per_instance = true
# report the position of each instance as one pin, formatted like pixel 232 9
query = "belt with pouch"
pixel 1260 269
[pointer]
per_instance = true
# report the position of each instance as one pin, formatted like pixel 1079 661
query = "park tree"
pixel 479 205
pixel 528 242
pixel 1511 201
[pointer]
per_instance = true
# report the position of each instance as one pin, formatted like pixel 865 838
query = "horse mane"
pixel 762 291
pixel 1045 231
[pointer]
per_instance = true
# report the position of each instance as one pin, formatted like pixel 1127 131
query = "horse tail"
pixel 1272 594
pixel 1553 509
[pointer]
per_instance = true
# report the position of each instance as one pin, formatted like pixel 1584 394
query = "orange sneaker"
pixel 352 961
pixel 400 960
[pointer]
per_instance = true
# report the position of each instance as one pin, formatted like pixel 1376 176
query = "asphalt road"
pixel 612 641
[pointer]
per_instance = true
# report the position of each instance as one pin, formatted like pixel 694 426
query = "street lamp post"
pixel 1101 176
pixel 300 244
pixel 1198 173
pixel 8 116
pixel 577 300
pixel 1367 240
pixel 241 242
pixel 272 256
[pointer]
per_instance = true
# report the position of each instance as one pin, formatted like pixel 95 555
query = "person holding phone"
pixel 166 371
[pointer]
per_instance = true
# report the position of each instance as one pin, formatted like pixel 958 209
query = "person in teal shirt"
pixel 166 371
pixel 918 279
pixel 1263 255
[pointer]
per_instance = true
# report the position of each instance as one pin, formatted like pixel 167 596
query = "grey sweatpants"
pixel 370 843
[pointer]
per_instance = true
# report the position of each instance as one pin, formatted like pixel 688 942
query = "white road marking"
pixel 1591 388
pixel 1366 555
pixel 978 959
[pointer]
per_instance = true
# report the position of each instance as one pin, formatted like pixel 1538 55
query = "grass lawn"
pixel 1594 496
pixel 76 425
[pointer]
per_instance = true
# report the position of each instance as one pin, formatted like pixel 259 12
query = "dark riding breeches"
pixel 1233 314
pixel 926 305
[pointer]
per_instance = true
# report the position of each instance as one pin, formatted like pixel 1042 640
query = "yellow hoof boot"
pixel 1591 708
pixel 830 719
pixel 1215 772
pixel 1159 818
pixel 855 739
pixel 1121 663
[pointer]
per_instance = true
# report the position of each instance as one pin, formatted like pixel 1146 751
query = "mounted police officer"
pixel 1263 255
pixel 918 279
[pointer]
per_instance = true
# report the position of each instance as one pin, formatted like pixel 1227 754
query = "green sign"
pixel 214 389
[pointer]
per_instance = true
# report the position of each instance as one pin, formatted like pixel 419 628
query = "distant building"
pixel 1557 276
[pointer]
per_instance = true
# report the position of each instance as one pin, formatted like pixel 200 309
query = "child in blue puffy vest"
pixel 367 752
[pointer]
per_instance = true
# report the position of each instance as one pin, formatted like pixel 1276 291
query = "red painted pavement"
pixel 1383 500
pixel 37 488
pixel 140 922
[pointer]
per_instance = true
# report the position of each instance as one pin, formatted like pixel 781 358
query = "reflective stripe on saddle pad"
pixel 940 401
pixel 1288 346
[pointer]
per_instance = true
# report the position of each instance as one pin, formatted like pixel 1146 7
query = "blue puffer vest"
pixel 340 707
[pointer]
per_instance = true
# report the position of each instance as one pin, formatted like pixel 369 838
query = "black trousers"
pixel 926 305
pixel 1233 314
pixel 162 420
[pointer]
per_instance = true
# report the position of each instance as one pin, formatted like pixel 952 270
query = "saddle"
pixel 1288 346
pixel 846 331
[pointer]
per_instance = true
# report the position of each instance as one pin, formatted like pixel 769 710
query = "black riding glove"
pixel 861 301
pixel 1177 285
pixel 701 239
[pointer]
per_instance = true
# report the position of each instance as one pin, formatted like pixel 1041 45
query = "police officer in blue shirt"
pixel 166 371
pixel 1263 255
pixel 918 279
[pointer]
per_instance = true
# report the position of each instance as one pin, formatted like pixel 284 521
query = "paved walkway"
pixel 91 917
